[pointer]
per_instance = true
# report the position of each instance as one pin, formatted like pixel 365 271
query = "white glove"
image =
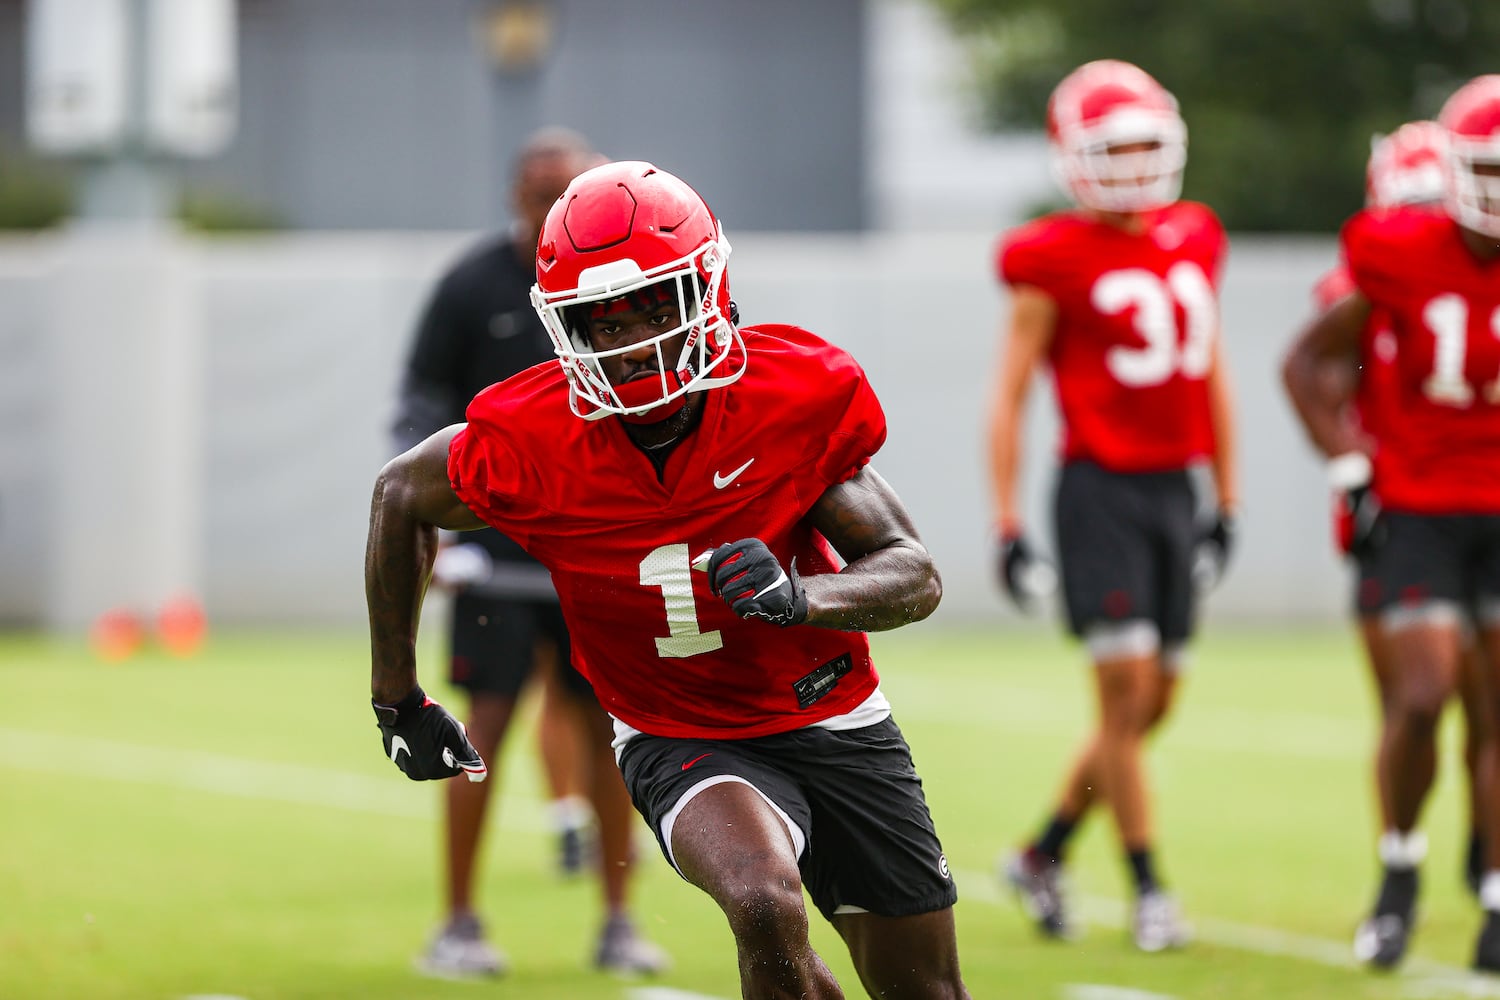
pixel 458 566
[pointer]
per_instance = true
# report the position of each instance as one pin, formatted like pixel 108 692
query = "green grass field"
pixel 228 826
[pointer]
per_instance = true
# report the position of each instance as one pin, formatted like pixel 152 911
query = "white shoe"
pixel 624 952
pixel 1158 925
pixel 459 951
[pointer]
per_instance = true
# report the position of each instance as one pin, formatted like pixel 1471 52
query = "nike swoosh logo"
pixel 780 579
pixel 397 745
pixel 697 759
pixel 722 481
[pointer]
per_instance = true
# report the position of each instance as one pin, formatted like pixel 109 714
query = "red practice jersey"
pixel 1440 426
pixel 1137 314
pixel 664 654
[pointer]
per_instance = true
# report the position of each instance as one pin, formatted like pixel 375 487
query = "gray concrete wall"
pixel 295 368
pixel 387 114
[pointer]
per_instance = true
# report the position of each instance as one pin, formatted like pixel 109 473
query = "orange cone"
pixel 117 635
pixel 181 626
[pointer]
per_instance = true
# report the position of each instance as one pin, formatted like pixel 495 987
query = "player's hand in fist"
pixel 1214 546
pixel 425 741
pixel 751 580
pixel 1025 576
pixel 1357 526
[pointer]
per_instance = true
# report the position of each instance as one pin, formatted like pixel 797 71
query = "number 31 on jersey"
pixel 1154 302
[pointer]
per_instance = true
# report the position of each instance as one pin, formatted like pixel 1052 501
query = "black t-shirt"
pixel 478 329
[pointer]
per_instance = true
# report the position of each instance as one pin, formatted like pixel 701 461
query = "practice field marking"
pixel 1433 979
pixel 665 993
pixel 1099 991
pixel 221 774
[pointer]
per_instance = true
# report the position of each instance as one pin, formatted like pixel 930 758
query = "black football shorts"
pixel 493 644
pixel 1125 548
pixel 854 794
pixel 1434 557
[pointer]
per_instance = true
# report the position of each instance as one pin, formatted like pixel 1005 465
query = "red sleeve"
pixel 1364 241
pixel 858 429
pixel 1219 245
pixel 488 466
pixel 1027 257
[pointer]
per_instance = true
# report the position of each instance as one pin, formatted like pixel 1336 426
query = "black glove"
pixel 1025 576
pixel 1357 525
pixel 1212 550
pixel 1359 528
pixel 749 578
pixel 425 741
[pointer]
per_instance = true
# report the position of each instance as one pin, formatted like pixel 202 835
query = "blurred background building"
pixel 200 403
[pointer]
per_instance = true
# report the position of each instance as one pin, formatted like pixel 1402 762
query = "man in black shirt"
pixel 480 328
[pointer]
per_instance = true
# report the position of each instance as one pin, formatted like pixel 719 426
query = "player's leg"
pixel 1486 589
pixel 1420 596
pixel 1166 510
pixel 562 747
pixel 876 869
pixel 620 946
pixel 1480 752
pixel 904 958
pixel 489 657
pixel 735 826
pixel 1378 656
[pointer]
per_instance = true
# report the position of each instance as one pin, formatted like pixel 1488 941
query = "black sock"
pixel 1475 866
pixel 1054 839
pixel 1143 870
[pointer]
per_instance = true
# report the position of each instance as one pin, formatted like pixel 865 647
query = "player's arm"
pixel 1225 463
pixel 888 579
pixel 1321 372
pixel 413 499
pixel 1027 338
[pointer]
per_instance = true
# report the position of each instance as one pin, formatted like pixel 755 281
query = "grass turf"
pixel 227 825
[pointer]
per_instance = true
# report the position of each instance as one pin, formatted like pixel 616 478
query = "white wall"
pixel 294 365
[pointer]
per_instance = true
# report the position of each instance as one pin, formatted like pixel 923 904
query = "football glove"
pixel 1025 576
pixel 751 580
pixel 425 741
pixel 1212 550
pixel 461 565
pixel 1358 529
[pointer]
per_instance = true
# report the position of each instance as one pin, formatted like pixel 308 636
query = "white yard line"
pixel 1100 991
pixel 1426 977
pixel 665 993
pixel 297 784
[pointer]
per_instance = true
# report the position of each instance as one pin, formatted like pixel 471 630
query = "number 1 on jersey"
pixel 668 569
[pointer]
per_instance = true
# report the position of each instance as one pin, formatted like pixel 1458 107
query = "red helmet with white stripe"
pixel 629 230
pixel 1097 109
pixel 1407 167
pixel 1471 119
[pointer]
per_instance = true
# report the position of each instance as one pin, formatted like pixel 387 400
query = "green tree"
pixel 1281 97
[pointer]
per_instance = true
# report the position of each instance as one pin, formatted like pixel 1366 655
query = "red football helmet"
pixel 1406 167
pixel 1471 119
pixel 616 230
pixel 1101 106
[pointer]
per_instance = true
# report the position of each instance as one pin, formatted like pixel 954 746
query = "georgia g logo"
pixel 943 867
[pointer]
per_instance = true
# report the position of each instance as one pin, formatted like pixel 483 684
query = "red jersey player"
pixel 701 494
pixel 1405 169
pixel 1436 279
pixel 1118 298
